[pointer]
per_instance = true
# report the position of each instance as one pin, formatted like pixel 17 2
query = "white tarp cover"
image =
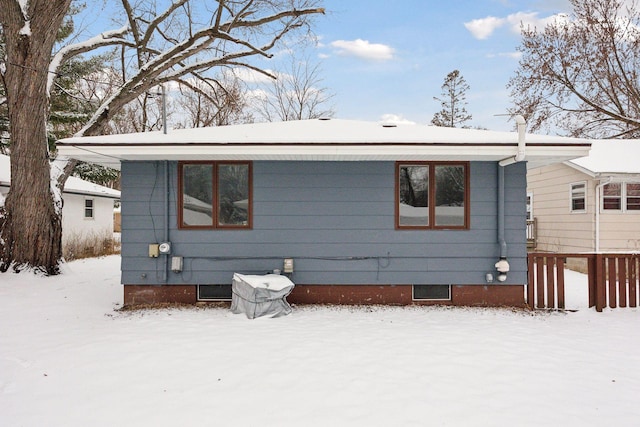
pixel 263 295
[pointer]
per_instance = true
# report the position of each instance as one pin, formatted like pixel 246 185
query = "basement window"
pixel 432 292
pixel 214 292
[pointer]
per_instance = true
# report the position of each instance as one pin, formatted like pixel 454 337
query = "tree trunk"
pixel 30 226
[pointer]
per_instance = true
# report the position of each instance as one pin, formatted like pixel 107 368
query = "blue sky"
pixel 390 58
pixel 387 59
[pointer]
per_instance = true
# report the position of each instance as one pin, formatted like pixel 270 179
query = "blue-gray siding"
pixel 336 219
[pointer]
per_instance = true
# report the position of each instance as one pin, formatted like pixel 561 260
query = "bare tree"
pixel 296 94
pixel 580 74
pixel 453 101
pixel 168 41
pixel 214 102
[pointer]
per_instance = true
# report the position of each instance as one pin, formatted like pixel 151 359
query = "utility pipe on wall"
pixel 166 218
pixel 502 266
pixel 501 239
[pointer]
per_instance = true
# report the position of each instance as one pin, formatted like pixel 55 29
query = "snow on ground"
pixel 68 358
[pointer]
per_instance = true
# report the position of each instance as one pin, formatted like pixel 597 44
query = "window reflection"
pixel 233 194
pixel 432 195
pixel 414 195
pixel 215 194
pixel 450 195
pixel 197 194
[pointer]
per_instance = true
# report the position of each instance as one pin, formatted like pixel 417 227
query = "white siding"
pixel 619 231
pixel 559 229
pixel 75 225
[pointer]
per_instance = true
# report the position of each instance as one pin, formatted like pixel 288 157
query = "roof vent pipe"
pixel 522 144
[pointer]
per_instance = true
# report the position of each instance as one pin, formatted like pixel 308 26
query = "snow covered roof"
pixel 619 156
pixel 318 139
pixel 73 185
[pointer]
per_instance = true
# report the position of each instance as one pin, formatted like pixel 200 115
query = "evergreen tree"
pixel 453 101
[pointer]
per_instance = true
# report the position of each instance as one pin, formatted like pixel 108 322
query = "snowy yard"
pixel 67 358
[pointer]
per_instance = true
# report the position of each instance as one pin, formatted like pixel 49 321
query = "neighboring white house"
pixel 87 207
pixel 590 204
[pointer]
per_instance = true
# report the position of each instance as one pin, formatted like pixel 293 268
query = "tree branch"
pixel 108 38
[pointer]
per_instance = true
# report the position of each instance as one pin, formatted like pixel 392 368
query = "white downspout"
pixel 597 207
pixel 502 266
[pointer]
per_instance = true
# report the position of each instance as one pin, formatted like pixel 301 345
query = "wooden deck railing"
pixel 532 233
pixel 613 280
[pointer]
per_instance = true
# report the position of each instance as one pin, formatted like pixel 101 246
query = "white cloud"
pixel 513 55
pixel 363 49
pixel 531 20
pixel 395 119
pixel 248 75
pixel 483 28
pixel 257 94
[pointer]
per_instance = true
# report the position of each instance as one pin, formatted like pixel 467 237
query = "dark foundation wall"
pixel 478 295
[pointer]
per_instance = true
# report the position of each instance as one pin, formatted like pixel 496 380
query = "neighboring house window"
pixel 633 196
pixel 612 196
pixel 529 206
pixel 432 195
pixel 578 197
pixel 88 209
pixel 214 194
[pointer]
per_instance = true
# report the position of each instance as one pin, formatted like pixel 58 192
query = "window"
pixel 612 196
pixel 432 195
pixel 578 197
pixel 432 292
pixel 214 195
pixel 633 196
pixel 88 209
pixel 214 293
pixel 529 206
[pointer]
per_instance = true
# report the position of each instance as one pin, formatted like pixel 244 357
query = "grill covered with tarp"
pixel 261 295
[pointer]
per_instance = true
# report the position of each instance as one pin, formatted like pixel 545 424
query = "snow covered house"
pixel 87 208
pixel 589 204
pixel 354 212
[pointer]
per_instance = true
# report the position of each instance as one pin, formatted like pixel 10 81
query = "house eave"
pixel 112 155
pixel 320 140
pixel 579 168
pixel 600 175
pixel 92 194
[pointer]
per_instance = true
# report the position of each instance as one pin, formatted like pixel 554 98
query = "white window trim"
pixel 578 211
pixel 623 200
pixel 530 204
